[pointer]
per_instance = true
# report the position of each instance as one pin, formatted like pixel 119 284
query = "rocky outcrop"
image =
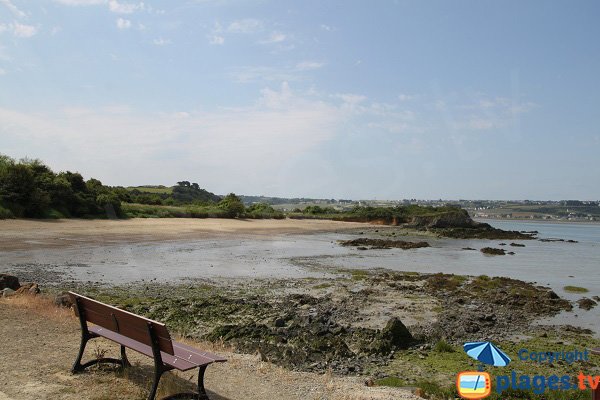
pixel 29 288
pixel 493 251
pixel 362 244
pixel 586 304
pixel 9 281
pixel 451 219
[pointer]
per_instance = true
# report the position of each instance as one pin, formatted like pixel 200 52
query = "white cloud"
pixel 22 30
pixel 275 37
pixel 2 71
pixel 126 147
pixel 309 65
pixel 216 39
pixel 124 8
pixel 351 98
pixel 248 25
pixel 123 23
pixel 404 97
pixel 326 28
pixel 8 4
pixel 81 2
pixel 161 42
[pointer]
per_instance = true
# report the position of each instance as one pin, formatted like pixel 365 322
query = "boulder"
pixel 63 300
pixel 586 304
pixel 7 292
pixel 29 288
pixel 9 281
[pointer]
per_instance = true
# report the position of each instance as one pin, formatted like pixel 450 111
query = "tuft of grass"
pixel 575 289
pixel 322 286
pixel 359 274
pixel 443 347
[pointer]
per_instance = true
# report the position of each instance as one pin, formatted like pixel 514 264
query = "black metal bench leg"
pixel 124 360
pixel 201 391
pixel 77 367
pixel 157 374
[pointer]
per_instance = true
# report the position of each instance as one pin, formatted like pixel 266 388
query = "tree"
pixel 233 205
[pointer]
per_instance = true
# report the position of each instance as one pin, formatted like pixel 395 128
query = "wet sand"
pixel 36 234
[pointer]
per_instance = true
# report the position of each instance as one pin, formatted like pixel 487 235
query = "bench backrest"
pixel 123 322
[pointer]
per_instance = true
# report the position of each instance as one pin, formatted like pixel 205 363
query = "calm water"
pixel 554 264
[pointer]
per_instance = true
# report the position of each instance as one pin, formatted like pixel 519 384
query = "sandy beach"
pixel 34 234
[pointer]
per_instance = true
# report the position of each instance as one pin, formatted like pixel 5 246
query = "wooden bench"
pixel 143 335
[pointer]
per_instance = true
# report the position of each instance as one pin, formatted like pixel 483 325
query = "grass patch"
pixel 359 274
pixel 575 289
pixel 322 286
pixel 391 381
pixel 443 347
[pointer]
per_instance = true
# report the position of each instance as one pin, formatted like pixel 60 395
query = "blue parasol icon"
pixel 487 353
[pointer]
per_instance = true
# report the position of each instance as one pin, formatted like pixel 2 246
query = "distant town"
pixel 563 210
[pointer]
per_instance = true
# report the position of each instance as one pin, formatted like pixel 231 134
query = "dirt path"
pixel 38 343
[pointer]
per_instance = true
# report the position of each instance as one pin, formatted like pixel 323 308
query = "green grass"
pixel 148 189
pixel 443 347
pixel 390 381
pixel 575 289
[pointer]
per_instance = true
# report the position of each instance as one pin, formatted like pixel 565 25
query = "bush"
pixel 5 214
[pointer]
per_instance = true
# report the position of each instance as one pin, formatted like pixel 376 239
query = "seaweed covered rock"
pixel 9 281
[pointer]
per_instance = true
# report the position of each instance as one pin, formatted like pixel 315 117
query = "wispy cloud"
pixel 269 135
pixel 247 25
pixel 81 2
pixel 216 39
pixel 8 4
pixel 161 42
pixel 123 23
pixel 19 30
pixel 309 65
pixel 124 8
pixel 2 71
pixel 274 37
pixel 292 73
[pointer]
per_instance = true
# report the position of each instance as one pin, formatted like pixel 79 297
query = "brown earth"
pixel 38 343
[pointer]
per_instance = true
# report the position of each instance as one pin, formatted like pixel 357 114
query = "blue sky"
pixel 342 99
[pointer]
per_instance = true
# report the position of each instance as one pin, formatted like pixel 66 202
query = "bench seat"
pixel 184 359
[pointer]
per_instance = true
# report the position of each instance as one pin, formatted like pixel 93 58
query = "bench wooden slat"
pixel 128 324
pixel 175 361
pixel 194 355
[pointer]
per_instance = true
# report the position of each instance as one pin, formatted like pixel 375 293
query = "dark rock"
pixel 279 323
pixel 517 244
pixel 383 244
pixel 63 300
pixel 493 251
pixel 397 333
pixel 586 304
pixel 9 281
